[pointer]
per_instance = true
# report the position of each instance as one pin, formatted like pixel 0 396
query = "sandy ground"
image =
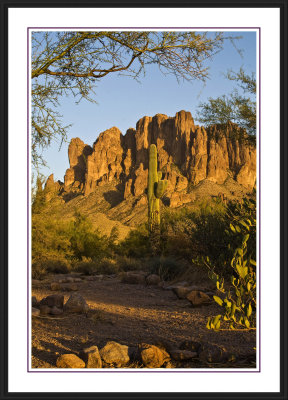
pixel 130 314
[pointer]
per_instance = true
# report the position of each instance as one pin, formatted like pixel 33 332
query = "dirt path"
pixel 128 314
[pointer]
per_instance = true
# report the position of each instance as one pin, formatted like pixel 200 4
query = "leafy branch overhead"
pixel 71 63
pixel 235 107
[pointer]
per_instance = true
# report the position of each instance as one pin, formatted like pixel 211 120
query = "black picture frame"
pixel 5 6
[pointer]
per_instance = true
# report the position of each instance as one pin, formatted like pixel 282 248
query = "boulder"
pixel 182 291
pixel 69 279
pixel 53 300
pixel 35 312
pixel 198 298
pixel 56 311
pixel 44 310
pixel 34 301
pixel 190 345
pixel 69 361
pixel 115 354
pixel 181 355
pixel 153 279
pixel 91 356
pixel 55 286
pixel 71 287
pixel 213 353
pixel 76 304
pixel 152 356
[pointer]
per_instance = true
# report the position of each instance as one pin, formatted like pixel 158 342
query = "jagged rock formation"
pixel 188 154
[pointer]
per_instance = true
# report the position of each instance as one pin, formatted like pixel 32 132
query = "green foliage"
pixel 168 268
pixel 235 107
pixel 239 299
pixel 57 244
pixel 85 241
pixel 136 243
pixel 156 189
pixel 38 195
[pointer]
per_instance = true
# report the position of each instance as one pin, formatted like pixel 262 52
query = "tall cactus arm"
pixel 160 188
pixel 156 189
pixel 152 171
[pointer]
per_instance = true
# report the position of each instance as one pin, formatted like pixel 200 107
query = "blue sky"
pixel 122 101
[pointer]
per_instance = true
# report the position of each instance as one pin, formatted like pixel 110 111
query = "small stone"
pixel 91 356
pixel 53 300
pixel 71 287
pixel 153 279
pixel 180 355
pixel 198 298
pixel 56 311
pixel 35 312
pixel 176 285
pixel 98 277
pixel 69 279
pixel 44 310
pixel 213 353
pixel 34 301
pixel 152 356
pixel 76 304
pixel 69 361
pixel 90 278
pixel 190 345
pixel 182 291
pixel 35 281
pixel 168 364
pixel 115 354
pixel 77 280
pixel 55 286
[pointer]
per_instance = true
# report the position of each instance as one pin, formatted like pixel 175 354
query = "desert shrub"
pixel 38 195
pixel 211 233
pixel 86 266
pixel 58 265
pixel 130 264
pixel 85 241
pixel 239 299
pixel 38 270
pixel 108 266
pixel 89 266
pixel 50 246
pixel 136 243
pixel 168 268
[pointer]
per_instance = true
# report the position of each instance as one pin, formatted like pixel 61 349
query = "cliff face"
pixel 187 154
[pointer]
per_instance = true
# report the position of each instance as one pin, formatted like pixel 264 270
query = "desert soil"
pixel 130 314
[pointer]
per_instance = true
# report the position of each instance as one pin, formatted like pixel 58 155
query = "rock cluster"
pixel 54 305
pixel 187 154
pixel 116 355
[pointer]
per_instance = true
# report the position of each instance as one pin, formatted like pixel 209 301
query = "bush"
pixel 239 303
pixel 38 271
pixel 86 242
pixel 168 268
pixel 130 264
pixel 136 243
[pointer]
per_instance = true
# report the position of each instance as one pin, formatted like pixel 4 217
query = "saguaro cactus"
pixel 156 189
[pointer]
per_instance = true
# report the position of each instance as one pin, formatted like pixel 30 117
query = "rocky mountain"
pixel 219 158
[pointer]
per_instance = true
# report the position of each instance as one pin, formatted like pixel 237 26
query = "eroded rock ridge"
pixel 187 155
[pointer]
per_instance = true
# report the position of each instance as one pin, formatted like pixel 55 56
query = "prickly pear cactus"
pixel 156 189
